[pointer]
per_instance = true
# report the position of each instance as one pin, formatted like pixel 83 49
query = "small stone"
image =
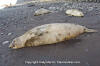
pixel 86 50
pixel 9 34
pixel 2 33
pixel 90 8
pixel 87 64
pixel 5 42
pixel 2 24
pixel 52 8
pixel 78 43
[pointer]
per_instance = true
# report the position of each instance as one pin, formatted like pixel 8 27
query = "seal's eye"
pixel 13 45
pixel 13 41
pixel 84 29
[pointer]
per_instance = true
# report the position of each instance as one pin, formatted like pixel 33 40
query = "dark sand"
pixel 17 20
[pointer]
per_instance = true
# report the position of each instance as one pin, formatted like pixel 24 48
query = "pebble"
pixel 86 50
pixel 87 64
pixel 52 8
pixel 9 34
pixel 2 33
pixel 5 42
pixel 90 8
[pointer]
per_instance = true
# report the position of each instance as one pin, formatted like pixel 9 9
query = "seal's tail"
pixel 90 30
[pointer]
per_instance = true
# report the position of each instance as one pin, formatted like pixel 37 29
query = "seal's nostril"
pixel 10 46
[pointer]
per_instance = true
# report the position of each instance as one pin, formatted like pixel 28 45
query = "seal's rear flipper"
pixel 90 30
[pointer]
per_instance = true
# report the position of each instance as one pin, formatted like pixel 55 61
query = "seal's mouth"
pixel 12 46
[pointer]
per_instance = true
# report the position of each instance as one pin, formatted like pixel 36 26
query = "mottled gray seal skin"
pixel 49 34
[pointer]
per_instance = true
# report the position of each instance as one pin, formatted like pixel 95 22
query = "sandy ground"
pixel 15 21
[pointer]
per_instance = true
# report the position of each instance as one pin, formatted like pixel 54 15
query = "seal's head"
pixel 16 43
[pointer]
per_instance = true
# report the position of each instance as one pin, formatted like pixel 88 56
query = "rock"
pixel 2 33
pixel 87 64
pixel 90 8
pixel 46 0
pixel 86 50
pixel 5 42
pixel 52 8
pixel 9 34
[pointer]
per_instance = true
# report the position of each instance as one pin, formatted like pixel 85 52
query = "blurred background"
pixel 7 3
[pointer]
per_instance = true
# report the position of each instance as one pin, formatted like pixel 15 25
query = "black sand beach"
pixel 14 21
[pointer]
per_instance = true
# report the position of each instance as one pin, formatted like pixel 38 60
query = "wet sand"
pixel 17 20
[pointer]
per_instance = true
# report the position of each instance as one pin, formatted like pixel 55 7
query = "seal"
pixel 41 12
pixel 74 12
pixel 49 34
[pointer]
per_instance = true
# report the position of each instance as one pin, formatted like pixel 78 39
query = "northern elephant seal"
pixel 41 11
pixel 49 34
pixel 74 12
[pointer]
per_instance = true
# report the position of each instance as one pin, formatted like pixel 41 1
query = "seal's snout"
pixel 16 43
pixel 11 45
